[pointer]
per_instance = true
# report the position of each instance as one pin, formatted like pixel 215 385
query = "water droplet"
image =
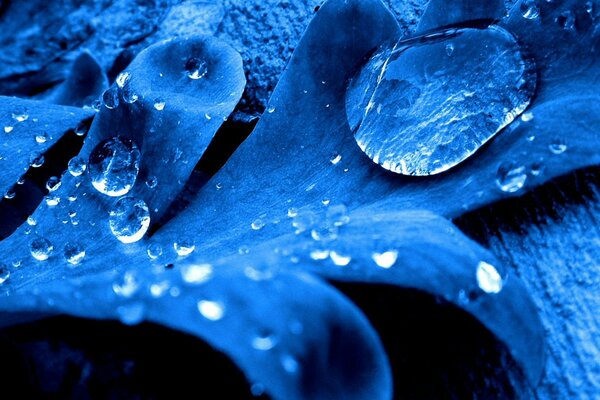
pixel 488 278
pixel 152 182
pixel 131 314
pixel 41 137
pixel 114 165
pixel 41 249
pixel 20 116
pixel 110 98
pixel 8 129
pixel 243 250
pixel 154 250
pixel 159 104
pixel 74 253
pixel 558 146
pixel 211 310
pixel 159 289
pixel 129 220
pixel 184 247
pixel 530 9
pixel 319 254
pixel 303 221
pixel 292 212
pixel 449 49
pixel 31 221
pixel 289 363
pixel 196 273
pixel 4 273
pixel 10 194
pixel 126 286
pixel 386 259
pixel 123 79
pixel 537 168
pixel 271 110
pixel 264 341
pixel 129 95
pixel 196 68
pixel 53 183
pixel 340 259
pixel 566 20
pixel 337 215
pixel 416 111
pixel 511 177
pixel 257 224
pixel 77 166
pixel 326 201
pixel 81 129
pixel 335 160
pixel 526 117
pixel 52 200
pixel 36 160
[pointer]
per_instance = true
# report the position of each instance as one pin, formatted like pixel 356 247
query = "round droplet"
pixel 129 95
pixel 81 129
pixel 77 166
pixel 129 219
pixel 211 310
pixel 154 250
pixel 292 212
pixel 53 183
pixel 530 9
pixel 257 224
pixel 337 215
pixel 110 98
pixel 196 274
pixel 511 177
pixel 123 79
pixel 488 278
pixel 416 111
pixel 36 160
pixel 159 104
pixel 74 253
pixel 196 68
pixel 114 166
pixel 336 160
pixel 41 249
pixel 558 146
pixel 41 137
pixel 386 259
pixel 8 129
pixel 20 116
pixel 290 363
pixel 4 273
pixel 339 259
pixel 152 182
pixel 184 247
pixel 263 341
pixel 10 194
pixel 52 200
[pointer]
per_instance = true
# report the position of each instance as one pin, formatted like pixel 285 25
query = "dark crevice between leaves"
pixel 436 350
pixel 28 196
pixel 227 139
pixel 65 357
pixel 537 207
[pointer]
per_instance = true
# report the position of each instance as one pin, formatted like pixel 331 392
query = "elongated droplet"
pixel 511 177
pixel 211 310
pixel 114 165
pixel 488 278
pixel 416 111
pixel 129 220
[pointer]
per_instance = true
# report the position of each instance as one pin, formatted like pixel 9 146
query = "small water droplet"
pixel 154 250
pixel 257 224
pixel 123 79
pixel 4 273
pixel 74 253
pixel 337 215
pixel 184 247
pixel 211 310
pixel 537 168
pixel 52 200
pixel 126 286
pixel 449 49
pixel 292 212
pixel 159 104
pixel 530 9
pixel 271 110
pixel 20 116
pixel 526 117
pixel 386 259
pixel 36 160
pixel 129 220
pixel 196 68
pixel 77 166
pixel 10 194
pixel 196 274
pixel 110 98
pixel 511 177
pixel 558 146
pixel 8 129
pixel 289 363
pixel 335 160
pixel 319 254
pixel 53 183
pixel 488 278
pixel 41 249
pixel 114 165
pixel 41 138
pixel 159 289
pixel 243 250
pixel 81 129
pixel 340 259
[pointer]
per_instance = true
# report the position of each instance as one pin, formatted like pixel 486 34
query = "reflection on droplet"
pixel 41 249
pixel 196 68
pixel 416 111
pixel 77 166
pixel 4 273
pixel 184 247
pixel 196 273
pixel 159 104
pixel 340 259
pixel 74 253
pixel 110 98
pixel 114 165
pixel 263 341
pixel 53 183
pixel 129 220
pixel 488 278
pixel 154 250
pixel 211 310
pixel 558 146
pixel 126 286
pixel 511 177
pixel 530 9
pixel 386 259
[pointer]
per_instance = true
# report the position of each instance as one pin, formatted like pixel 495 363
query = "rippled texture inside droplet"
pixel 129 220
pixel 418 109
pixel 114 166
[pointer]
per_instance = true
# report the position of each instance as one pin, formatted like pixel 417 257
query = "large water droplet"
pixel 211 310
pixel 110 98
pixel 41 249
pixel 129 219
pixel 263 341
pixel 488 278
pixel 511 177
pixel 184 247
pixel 416 111
pixel 340 259
pixel 114 165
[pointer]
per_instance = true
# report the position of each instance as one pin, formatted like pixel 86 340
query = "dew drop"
pixel 336 160
pixel 52 200
pixel 10 194
pixel 8 129
pixel 211 310
pixel 292 212
pixel 129 220
pixel 257 224
pixel 123 79
pixel 159 104
pixel 110 98
pixel 386 259
pixel 36 160
pixel 263 342
pixel 20 116
pixel 340 259
pixel 289 363
pixel 449 49
pixel 196 274
pixel 53 183
pixel 4 273
pixel 131 314
pixel 152 182
pixel 488 278
pixel 511 177
pixel 526 117
pixel 319 254
pixel 154 251
pixel 337 215
pixel 41 249
pixel 416 111
pixel 126 286
pixel 74 253
pixel 530 9
pixel 184 247
pixel 196 68
pixel 77 166
pixel 41 138
pixel 114 165
pixel 558 146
